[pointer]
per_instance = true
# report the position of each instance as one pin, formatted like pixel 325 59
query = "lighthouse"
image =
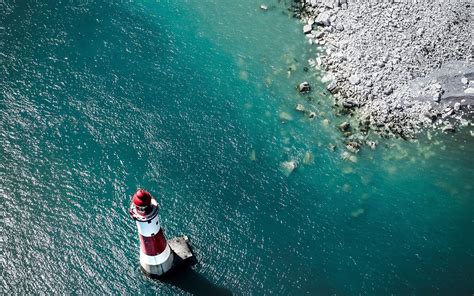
pixel 156 256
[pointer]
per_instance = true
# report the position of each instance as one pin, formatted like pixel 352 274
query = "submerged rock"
pixel 357 213
pixel 347 188
pixel 348 157
pixel 372 144
pixel 253 155
pixel 285 116
pixel 353 147
pixel 353 158
pixel 347 170
pixel 287 167
pixel 308 157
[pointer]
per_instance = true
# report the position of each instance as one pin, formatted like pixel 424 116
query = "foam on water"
pixel 99 98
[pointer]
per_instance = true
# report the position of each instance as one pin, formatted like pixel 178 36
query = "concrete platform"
pixel 184 255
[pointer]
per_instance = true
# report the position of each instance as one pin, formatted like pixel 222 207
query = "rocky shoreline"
pixel 395 68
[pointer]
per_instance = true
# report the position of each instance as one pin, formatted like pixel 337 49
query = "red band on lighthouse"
pixel 156 256
pixel 153 245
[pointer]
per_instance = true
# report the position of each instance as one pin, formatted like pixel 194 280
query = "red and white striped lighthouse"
pixel 156 256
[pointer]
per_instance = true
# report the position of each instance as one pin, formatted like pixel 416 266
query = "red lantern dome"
pixel 142 198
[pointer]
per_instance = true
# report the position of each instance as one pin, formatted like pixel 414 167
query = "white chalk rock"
pixel 300 108
pixel 449 128
pixel 354 79
pixel 323 19
pixel 307 29
pixel 469 90
pixel 457 106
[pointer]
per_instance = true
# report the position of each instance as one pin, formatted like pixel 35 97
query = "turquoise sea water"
pixel 184 99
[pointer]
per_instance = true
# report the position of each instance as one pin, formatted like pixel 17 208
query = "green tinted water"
pixel 184 99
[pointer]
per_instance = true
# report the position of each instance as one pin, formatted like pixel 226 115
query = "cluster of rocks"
pixel 395 66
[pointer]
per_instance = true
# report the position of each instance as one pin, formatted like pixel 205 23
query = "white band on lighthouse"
pixel 149 229
pixel 157 259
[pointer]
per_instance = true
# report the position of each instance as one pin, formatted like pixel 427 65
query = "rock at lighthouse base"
pixel 182 250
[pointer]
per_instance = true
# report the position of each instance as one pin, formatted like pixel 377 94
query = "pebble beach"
pixel 395 67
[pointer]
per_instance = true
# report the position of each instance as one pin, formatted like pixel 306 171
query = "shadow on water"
pixel 194 283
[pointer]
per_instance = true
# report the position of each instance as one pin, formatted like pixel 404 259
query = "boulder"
pixel 304 87
pixel 388 91
pixel 300 108
pixel 323 19
pixel 350 104
pixel 447 112
pixel 344 127
pixel 332 87
pixel 354 80
pixel 319 35
pixel 307 29
pixel 449 129
pixel 457 106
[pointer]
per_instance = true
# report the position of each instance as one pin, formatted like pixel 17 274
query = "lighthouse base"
pixel 181 255
pixel 159 264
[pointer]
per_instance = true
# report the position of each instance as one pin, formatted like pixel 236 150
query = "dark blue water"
pixel 184 98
